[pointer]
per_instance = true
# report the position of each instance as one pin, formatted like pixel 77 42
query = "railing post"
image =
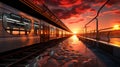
pixel 97 32
pixel 85 31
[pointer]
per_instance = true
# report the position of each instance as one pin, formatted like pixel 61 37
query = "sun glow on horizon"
pixel 116 27
pixel 75 32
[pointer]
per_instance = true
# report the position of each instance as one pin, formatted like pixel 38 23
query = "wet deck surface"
pixel 73 53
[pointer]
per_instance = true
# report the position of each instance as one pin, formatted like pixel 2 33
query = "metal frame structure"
pixel 95 18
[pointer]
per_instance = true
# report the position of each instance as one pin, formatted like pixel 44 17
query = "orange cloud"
pixel 71 22
pixel 115 22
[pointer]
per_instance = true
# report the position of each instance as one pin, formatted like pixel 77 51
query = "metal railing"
pixel 95 18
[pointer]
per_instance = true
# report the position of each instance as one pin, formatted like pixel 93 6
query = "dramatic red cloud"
pixel 73 7
pixel 112 2
pixel 77 9
pixel 100 2
pixel 76 13
pixel 69 3
pixel 67 8
pixel 116 12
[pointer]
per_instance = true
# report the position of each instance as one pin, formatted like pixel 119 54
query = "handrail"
pixel 95 18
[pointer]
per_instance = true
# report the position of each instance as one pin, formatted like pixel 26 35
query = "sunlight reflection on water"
pixel 75 40
pixel 75 44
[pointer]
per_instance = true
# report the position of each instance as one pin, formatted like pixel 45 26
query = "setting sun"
pixel 75 32
pixel 116 27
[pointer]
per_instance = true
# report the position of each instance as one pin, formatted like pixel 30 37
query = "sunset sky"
pixel 76 13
